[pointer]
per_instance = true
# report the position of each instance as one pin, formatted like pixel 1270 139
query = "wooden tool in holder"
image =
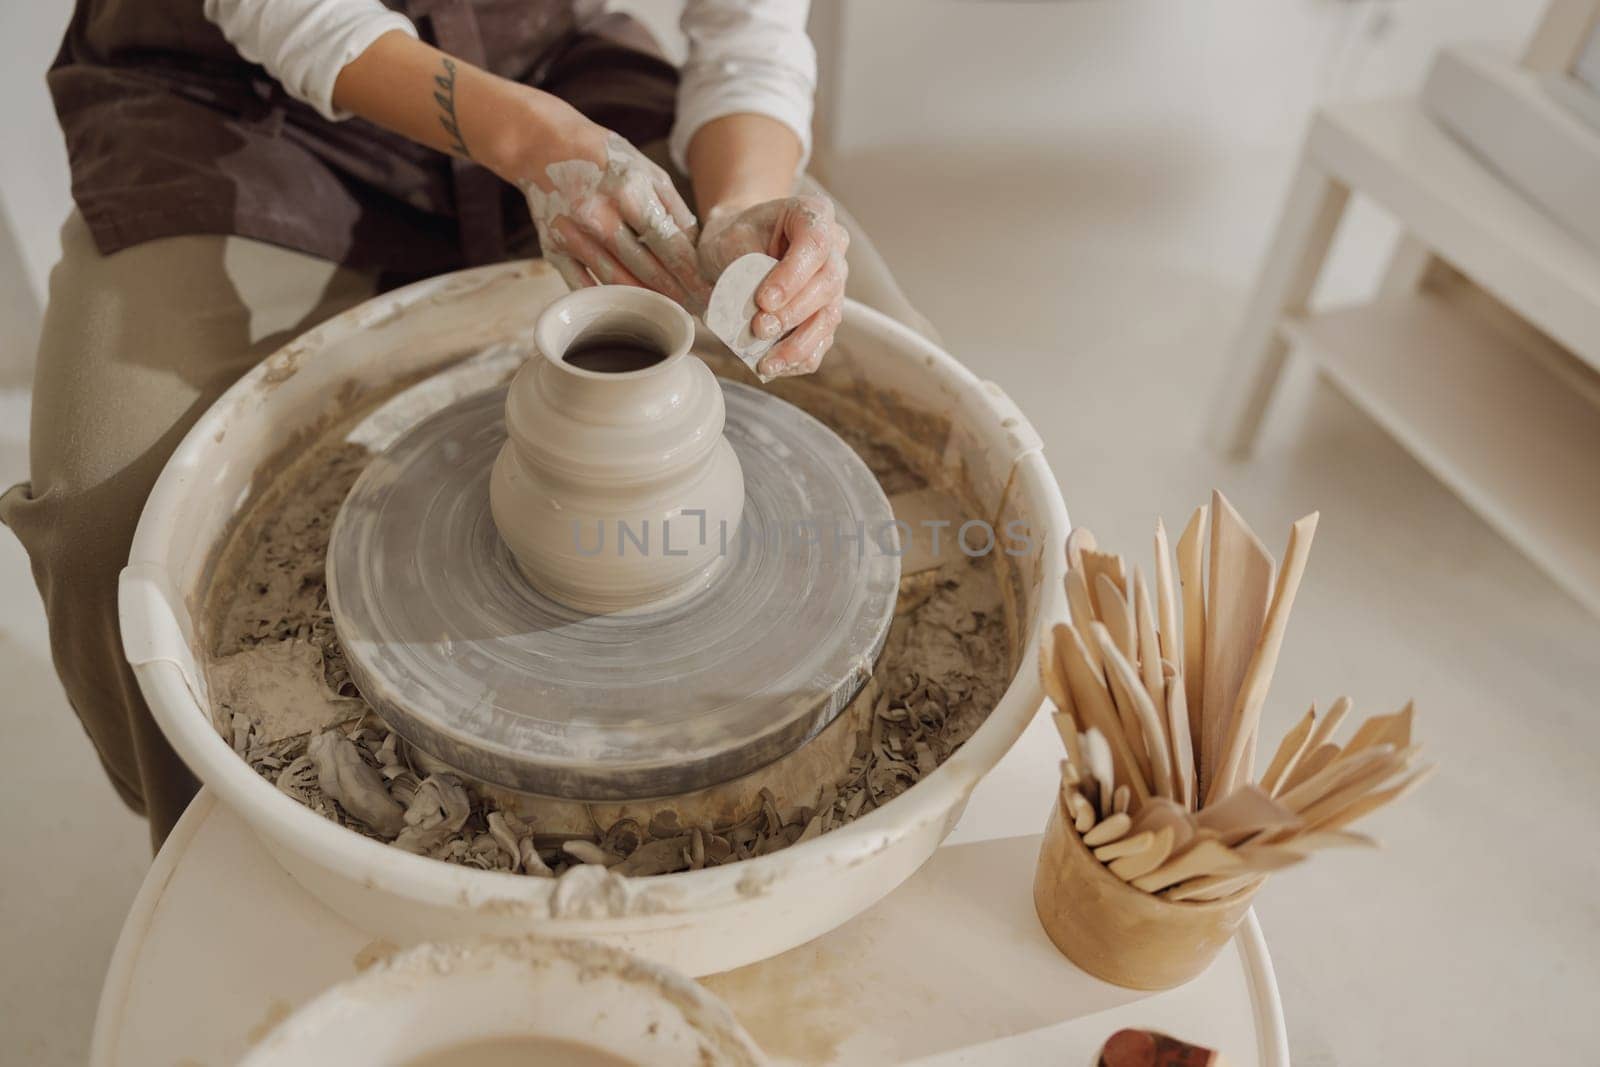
pixel 1160 837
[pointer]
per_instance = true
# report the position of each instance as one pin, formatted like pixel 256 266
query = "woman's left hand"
pixel 804 292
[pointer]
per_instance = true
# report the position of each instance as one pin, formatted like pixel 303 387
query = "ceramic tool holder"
pixel 1120 934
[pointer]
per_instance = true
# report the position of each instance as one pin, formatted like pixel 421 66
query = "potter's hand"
pixel 605 213
pixel 804 292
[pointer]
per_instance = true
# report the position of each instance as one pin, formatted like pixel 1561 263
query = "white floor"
pixel 1092 259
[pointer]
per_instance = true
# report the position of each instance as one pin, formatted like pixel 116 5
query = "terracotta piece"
pixel 636 453
pixel 1116 932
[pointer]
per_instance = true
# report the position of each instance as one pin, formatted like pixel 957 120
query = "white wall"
pixel 1241 71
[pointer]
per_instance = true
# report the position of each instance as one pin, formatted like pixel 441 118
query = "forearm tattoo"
pixel 445 97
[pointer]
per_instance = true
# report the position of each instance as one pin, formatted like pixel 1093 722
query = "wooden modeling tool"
pixel 1160 715
pixel 1129 691
pixel 1341 817
pixel 1149 650
pixel 1079 541
pixel 1107 830
pixel 1097 754
pixel 1191 552
pixel 1329 724
pixel 1205 857
pixel 1080 609
pixel 1138 864
pixel 1125 846
pixel 1244 813
pixel 1178 737
pixel 1289 749
pixel 1159 814
pixel 1210 887
pixel 1308 765
pixel 1089 694
pixel 1081 811
pixel 1167 600
pixel 1246 716
pixel 1110 565
pixel 1117 617
pixel 1239 586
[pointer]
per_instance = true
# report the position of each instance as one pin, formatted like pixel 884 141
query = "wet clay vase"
pixel 1120 934
pixel 615 482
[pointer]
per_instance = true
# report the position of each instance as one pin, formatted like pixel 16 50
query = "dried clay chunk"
pixel 733 305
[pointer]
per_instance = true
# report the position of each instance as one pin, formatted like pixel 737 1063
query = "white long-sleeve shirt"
pixel 744 55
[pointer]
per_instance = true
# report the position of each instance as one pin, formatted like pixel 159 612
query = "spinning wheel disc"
pixel 464 658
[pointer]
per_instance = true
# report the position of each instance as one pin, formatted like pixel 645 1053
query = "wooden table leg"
pixel 1299 247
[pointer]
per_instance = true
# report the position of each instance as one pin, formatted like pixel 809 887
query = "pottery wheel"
pixel 465 659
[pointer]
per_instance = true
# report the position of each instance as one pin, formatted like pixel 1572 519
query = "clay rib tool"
pixel 1246 715
pixel 1341 773
pixel 733 305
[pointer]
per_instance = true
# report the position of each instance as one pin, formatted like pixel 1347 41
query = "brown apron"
pixel 169 131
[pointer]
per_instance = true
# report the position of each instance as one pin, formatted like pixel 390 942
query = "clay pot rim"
pixel 1103 874
pixel 646 302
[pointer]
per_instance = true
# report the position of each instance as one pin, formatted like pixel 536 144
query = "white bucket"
pixel 698 922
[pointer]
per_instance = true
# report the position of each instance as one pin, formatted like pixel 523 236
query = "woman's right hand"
pixel 605 213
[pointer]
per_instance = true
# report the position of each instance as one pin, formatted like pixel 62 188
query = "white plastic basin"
pixel 698 922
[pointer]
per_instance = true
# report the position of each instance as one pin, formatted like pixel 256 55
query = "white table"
pixel 952 966
pixel 1499 398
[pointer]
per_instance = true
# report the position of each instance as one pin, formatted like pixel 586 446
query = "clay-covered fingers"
pixel 802 351
pixel 577 242
pixel 825 287
pixel 801 242
pixel 571 271
pixel 676 206
pixel 655 226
